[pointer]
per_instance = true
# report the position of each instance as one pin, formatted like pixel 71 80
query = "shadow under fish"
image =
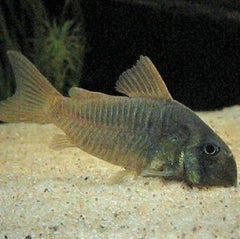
pixel 146 132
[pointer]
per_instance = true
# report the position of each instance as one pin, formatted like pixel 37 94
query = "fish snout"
pixel 231 170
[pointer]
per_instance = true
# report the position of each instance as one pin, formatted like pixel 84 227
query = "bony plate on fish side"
pixel 145 131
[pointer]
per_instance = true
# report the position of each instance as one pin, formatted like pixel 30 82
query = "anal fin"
pixel 60 141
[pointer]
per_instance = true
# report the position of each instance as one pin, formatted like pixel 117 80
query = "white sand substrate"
pixel 69 194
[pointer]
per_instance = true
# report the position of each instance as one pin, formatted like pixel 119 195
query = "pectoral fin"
pixel 143 80
pixel 156 173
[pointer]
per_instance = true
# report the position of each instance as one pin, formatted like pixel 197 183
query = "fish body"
pixel 147 132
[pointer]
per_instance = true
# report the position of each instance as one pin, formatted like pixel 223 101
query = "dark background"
pixel 195 45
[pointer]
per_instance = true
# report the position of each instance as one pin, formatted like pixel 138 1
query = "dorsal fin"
pixel 143 80
pixel 83 95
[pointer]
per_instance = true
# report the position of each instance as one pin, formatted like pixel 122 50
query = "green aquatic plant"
pixel 59 53
pixel 56 47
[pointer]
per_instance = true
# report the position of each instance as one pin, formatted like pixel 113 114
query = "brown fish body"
pixel 147 132
pixel 118 129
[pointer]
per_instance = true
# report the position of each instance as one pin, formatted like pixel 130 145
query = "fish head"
pixel 208 161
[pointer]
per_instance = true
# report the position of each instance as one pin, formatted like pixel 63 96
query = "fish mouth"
pixel 223 174
pixel 232 171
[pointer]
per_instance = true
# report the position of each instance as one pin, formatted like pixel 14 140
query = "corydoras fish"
pixel 147 132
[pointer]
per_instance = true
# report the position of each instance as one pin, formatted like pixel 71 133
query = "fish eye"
pixel 211 149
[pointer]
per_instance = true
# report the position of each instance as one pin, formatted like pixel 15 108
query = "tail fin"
pixel 34 94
